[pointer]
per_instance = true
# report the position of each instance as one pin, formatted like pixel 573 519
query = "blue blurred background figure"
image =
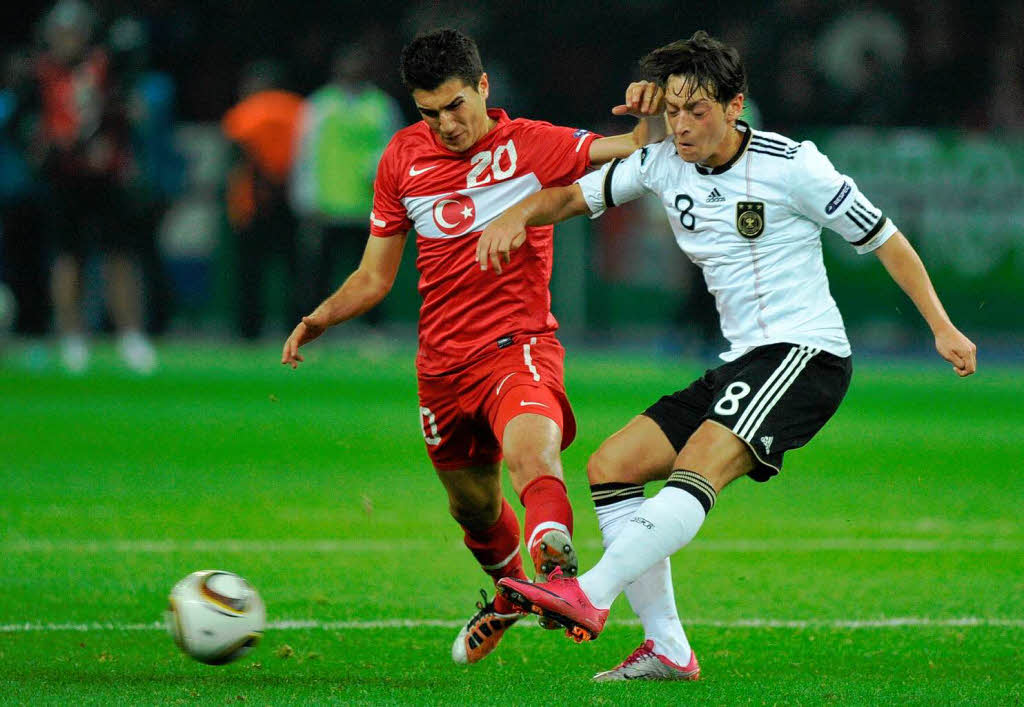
pixel 23 253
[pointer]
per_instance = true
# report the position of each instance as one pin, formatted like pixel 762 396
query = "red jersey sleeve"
pixel 562 154
pixel 389 216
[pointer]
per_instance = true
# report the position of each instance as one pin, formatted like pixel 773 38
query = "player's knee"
pixel 716 454
pixel 604 466
pixel 526 465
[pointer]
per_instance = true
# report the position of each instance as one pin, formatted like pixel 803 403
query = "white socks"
pixel 651 595
pixel 661 526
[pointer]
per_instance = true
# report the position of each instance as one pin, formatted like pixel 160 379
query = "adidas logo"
pixel 767 442
pixel 715 196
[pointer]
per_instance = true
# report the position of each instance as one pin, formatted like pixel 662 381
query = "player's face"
pixel 456 112
pixel 701 126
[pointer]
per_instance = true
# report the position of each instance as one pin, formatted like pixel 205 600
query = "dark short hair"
pixel 435 57
pixel 704 61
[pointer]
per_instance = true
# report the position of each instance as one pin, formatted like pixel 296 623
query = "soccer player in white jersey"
pixel 748 208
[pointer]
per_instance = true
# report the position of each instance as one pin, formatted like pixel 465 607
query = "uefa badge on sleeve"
pixel 750 218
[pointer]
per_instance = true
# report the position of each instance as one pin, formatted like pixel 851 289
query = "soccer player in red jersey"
pixel 489 365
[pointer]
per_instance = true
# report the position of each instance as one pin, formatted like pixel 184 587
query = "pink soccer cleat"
pixel 553 549
pixel 560 599
pixel 645 664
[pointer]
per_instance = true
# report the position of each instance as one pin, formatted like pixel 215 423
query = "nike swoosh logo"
pixel 523 403
pixel 498 389
pixel 414 172
pixel 546 591
pixel 536 585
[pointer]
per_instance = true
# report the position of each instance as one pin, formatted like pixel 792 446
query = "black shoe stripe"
pixel 537 586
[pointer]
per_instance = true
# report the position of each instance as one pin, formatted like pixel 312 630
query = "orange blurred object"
pixel 265 125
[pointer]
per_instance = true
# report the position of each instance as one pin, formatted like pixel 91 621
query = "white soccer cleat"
pixel 645 664
pixel 481 633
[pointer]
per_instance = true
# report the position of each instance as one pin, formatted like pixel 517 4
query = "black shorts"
pixel 774 398
pixel 89 215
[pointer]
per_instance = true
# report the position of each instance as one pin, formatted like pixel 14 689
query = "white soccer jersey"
pixel 753 226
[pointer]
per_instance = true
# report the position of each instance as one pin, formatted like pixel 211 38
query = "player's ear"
pixel 734 109
pixel 483 87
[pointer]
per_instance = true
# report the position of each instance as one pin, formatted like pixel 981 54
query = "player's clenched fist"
pixel 503 235
pixel 958 350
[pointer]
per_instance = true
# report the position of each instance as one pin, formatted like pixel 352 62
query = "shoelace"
pixel 483 607
pixel 641 652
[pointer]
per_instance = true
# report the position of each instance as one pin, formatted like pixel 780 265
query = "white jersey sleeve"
pixel 617 182
pixel 833 200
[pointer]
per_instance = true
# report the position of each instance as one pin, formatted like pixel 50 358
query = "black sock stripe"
pixel 613 486
pixel 707 491
pixel 695 485
pixel 693 477
pixel 614 492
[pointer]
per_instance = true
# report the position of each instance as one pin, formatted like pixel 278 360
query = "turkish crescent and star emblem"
pixel 454 214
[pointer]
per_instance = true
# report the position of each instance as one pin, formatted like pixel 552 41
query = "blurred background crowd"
pixel 206 167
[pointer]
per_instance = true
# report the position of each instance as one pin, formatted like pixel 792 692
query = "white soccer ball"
pixel 215 616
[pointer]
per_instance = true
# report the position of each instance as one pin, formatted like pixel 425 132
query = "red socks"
pixel 497 547
pixel 547 506
pixel 497 551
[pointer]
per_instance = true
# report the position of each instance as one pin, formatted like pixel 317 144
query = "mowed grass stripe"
pixel 900 583
pixel 364 545
pixel 301 624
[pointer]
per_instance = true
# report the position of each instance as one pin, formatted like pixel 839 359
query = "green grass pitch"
pixel 885 565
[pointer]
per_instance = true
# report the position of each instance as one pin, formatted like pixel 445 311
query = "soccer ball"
pixel 215 616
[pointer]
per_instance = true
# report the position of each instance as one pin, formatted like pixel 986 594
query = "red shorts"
pixel 463 415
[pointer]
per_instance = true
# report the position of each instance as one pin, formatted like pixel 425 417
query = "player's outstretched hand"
pixel 305 331
pixel 505 234
pixel 643 99
pixel 958 350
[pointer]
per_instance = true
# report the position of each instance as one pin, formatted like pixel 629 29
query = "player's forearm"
pixel 906 269
pixel 552 205
pixel 647 131
pixel 361 292
pixel 606 149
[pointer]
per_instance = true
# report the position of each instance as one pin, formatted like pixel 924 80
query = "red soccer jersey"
pixel 449 198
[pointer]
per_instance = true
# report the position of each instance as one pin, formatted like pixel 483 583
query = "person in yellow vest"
pixel 344 129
